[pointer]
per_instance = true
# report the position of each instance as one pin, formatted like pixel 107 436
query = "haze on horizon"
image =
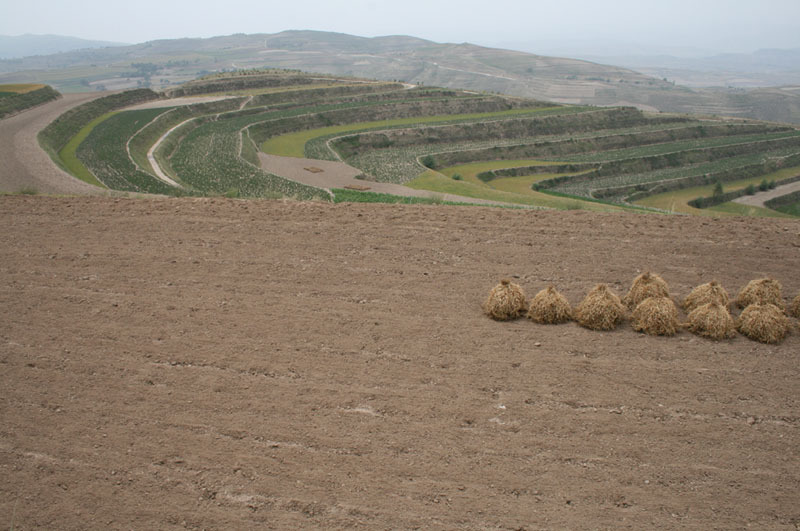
pixel 624 26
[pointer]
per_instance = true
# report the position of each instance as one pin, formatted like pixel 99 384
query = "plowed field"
pixel 224 364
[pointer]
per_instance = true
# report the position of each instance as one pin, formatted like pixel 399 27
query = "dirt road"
pixel 25 164
pixel 759 198
pixel 224 364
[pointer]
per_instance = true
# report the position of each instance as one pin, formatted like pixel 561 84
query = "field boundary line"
pixel 134 135
pixel 152 158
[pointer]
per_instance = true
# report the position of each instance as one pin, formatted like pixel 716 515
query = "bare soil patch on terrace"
pixel 331 174
pixel 25 165
pixel 227 364
pixel 760 198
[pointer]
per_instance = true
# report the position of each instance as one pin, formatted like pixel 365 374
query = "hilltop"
pixel 167 62
pixel 15 47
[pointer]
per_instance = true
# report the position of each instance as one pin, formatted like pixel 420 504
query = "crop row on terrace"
pixel 623 186
pixel 493 140
pixel 104 152
pixel 330 143
pixel 58 132
pixel 245 81
pixel 344 93
pixel 358 112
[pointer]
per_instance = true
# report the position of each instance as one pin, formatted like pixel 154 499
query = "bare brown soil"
pixel 225 364
pixel 25 166
pixel 328 174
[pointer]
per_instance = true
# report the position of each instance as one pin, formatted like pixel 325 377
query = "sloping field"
pixel 226 364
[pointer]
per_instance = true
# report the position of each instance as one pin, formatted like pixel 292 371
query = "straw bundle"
pixel 645 286
pixel 794 308
pixel 712 320
pixel 763 322
pixel 656 316
pixel 761 291
pixel 705 293
pixel 601 309
pixel 549 307
pixel 506 301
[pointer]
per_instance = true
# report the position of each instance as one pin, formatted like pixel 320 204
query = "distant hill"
pixel 162 63
pixel 763 68
pixel 28 45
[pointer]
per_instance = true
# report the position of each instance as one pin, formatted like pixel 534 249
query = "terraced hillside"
pixel 472 145
pixel 15 98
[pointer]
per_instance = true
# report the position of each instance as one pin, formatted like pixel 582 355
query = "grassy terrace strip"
pixel 208 158
pixel 141 142
pixel 400 165
pixel 69 158
pixel 631 175
pixel 355 196
pixel 436 182
pixel 665 148
pixel 240 81
pixel 568 122
pixel 78 121
pixel 333 146
pixel 316 95
pixel 786 204
pixel 677 201
pixel 293 144
pixel 20 97
pixel 104 152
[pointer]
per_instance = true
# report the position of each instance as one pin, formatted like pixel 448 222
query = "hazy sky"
pixel 714 25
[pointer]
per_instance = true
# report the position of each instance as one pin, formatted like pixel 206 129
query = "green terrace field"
pixel 475 145
pixel 17 97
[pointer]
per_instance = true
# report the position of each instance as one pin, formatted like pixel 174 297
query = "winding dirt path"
pixel 151 156
pixel 760 198
pixel 25 164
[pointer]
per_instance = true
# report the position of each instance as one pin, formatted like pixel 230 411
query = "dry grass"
pixel 656 316
pixel 712 320
pixel 763 322
pixel 645 286
pixel 549 307
pixel 601 309
pixel 704 294
pixel 760 291
pixel 506 301
pixel 794 308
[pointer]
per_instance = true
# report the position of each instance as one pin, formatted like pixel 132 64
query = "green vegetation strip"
pixel 342 195
pixel 436 182
pixel 69 157
pixel 293 144
pixel 678 201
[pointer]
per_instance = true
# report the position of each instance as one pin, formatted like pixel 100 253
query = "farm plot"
pixel 755 163
pixel 402 164
pixel 639 151
pixel 315 143
pixel 105 153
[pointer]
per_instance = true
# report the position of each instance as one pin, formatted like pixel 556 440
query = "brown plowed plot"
pixel 224 364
